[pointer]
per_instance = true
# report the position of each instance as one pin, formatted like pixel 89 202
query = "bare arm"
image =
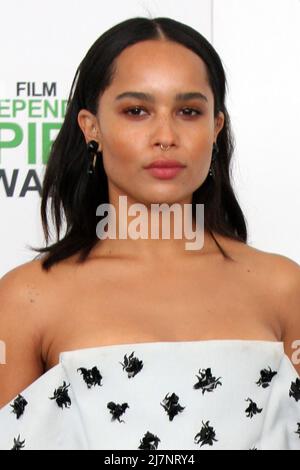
pixel 289 306
pixel 20 333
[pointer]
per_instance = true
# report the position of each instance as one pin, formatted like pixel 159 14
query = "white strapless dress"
pixel 193 395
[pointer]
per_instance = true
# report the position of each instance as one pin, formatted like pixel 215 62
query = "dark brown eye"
pixel 135 108
pixel 135 111
pixel 192 110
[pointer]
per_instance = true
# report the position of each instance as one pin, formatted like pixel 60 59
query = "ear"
pixel 89 126
pixel 219 123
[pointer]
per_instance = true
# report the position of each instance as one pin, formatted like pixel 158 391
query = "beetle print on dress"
pixel 206 381
pixel 132 365
pixel 117 410
pixel 252 409
pixel 295 390
pixel 92 377
pixel 18 445
pixel 253 399
pixel 266 375
pixel 206 436
pixel 61 396
pixel 19 406
pixel 171 405
pixel 149 442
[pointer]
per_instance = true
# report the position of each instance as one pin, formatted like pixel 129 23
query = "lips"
pixel 165 164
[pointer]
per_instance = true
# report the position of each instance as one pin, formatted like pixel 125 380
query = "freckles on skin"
pixel 129 143
pixel 153 66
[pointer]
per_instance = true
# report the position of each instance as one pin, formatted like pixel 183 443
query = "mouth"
pixel 165 169
pixel 165 164
pixel 165 172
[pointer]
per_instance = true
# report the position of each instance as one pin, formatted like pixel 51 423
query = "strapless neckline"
pixel 222 394
pixel 278 346
pixel 204 342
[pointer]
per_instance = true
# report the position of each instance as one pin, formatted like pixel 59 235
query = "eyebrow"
pixel 192 95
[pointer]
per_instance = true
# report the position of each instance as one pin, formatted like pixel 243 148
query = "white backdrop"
pixel 259 44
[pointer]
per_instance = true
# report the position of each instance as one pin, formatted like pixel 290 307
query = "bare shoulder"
pixel 25 286
pixel 281 272
pixel 22 275
pixel 287 285
pixel 284 271
pixel 288 282
pixel 23 299
pixel 18 287
pixel 282 276
pixel 284 267
pixel 29 283
pixel 29 295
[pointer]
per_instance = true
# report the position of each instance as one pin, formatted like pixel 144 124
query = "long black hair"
pixel 74 196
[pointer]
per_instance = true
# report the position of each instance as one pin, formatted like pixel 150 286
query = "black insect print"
pixel 132 365
pixel 61 396
pixel 117 410
pixel 252 409
pixel 18 445
pixel 171 405
pixel 298 430
pixel 266 375
pixel 206 381
pixel 295 390
pixel 149 442
pixel 206 436
pixel 92 377
pixel 18 406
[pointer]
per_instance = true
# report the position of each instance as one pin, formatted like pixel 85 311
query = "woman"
pixel 121 343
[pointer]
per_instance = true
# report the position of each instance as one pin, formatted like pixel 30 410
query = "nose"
pixel 165 133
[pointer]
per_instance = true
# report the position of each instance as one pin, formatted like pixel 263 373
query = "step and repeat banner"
pixel 259 43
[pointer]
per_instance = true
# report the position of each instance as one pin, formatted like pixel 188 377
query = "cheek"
pixel 200 139
pixel 201 152
pixel 199 171
pixel 121 158
pixel 199 162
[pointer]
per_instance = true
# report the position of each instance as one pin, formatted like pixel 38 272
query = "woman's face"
pixel 130 129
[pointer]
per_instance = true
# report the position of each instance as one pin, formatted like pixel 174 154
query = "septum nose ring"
pixel 164 147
